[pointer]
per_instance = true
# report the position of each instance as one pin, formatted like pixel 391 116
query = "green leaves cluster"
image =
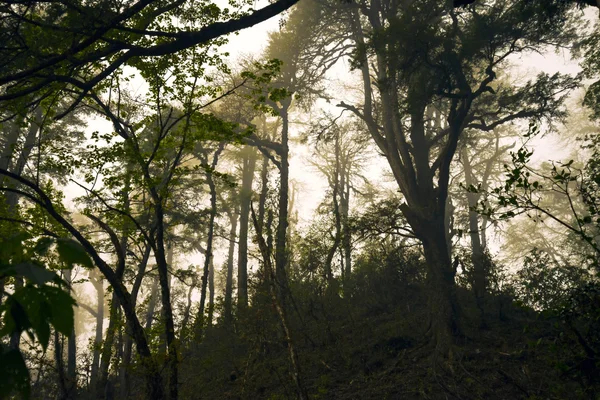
pixel 38 302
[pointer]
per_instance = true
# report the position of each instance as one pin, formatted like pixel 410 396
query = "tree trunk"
pixel 184 333
pixel 264 191
pixel 209 246
pixel 172 359
pixel 477 252
pixel 152 304
pixel 128 343
pixel 443 305
pixel 282 220
pixel 99 286
pixel 228 305
pixel 60 367
pixel 336 185
pixel 249 164
pixel 107 347
pixel 71 379
pixel 277 294
pixel 346 233
pixel 211 289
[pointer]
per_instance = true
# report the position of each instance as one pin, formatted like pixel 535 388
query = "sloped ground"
pixel 373 346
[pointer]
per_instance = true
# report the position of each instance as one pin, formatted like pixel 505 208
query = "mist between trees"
pixel 355 212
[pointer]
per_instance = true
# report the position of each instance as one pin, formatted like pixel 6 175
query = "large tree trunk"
pixel 249 164
pixel 443 305
pixel 228 304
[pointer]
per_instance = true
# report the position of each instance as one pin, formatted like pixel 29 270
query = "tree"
pixel 424 56
pixel 340 156
pixel 480 157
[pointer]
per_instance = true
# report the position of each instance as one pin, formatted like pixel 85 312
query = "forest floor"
pixel 374 346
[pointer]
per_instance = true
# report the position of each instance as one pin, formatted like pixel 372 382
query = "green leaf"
pixel 72 253
pixel 35 273
pixel 14 373
pixel 42 245
pixel 61 309
pixel 12 245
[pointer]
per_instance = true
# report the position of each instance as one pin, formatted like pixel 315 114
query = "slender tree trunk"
pixel 477 252
pixel 211 289
pixel 11 136
pixel 152 304
pixel 99 286
pixel 172 361
pixel 209 246
pixel 346 233
pixel 128 342
pixel 71 379
pixel 249 164
pixel 184 333
pixel 109 341
pixel 282 223
pixel 264 191
pixel 336 185
pixel 228 305
pixel 276 293
pixel 60 367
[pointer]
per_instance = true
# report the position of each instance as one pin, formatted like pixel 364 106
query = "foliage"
pixel 37 305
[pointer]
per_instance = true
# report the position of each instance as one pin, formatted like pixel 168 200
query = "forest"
pixel 300 199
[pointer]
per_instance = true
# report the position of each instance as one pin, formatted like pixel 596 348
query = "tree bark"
pixel 281 256
pixel 211 290
pixel 128 342
pixel 60 367
pixel 152 304
pixel 228 304
pixel 209 243
pixel 172 361
pixel 443 305
pixel 477 252
pixel 345 172
pixel 249 164
pixel 71 378
pixel 99 286
pixel 276 293
pixel 107 347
